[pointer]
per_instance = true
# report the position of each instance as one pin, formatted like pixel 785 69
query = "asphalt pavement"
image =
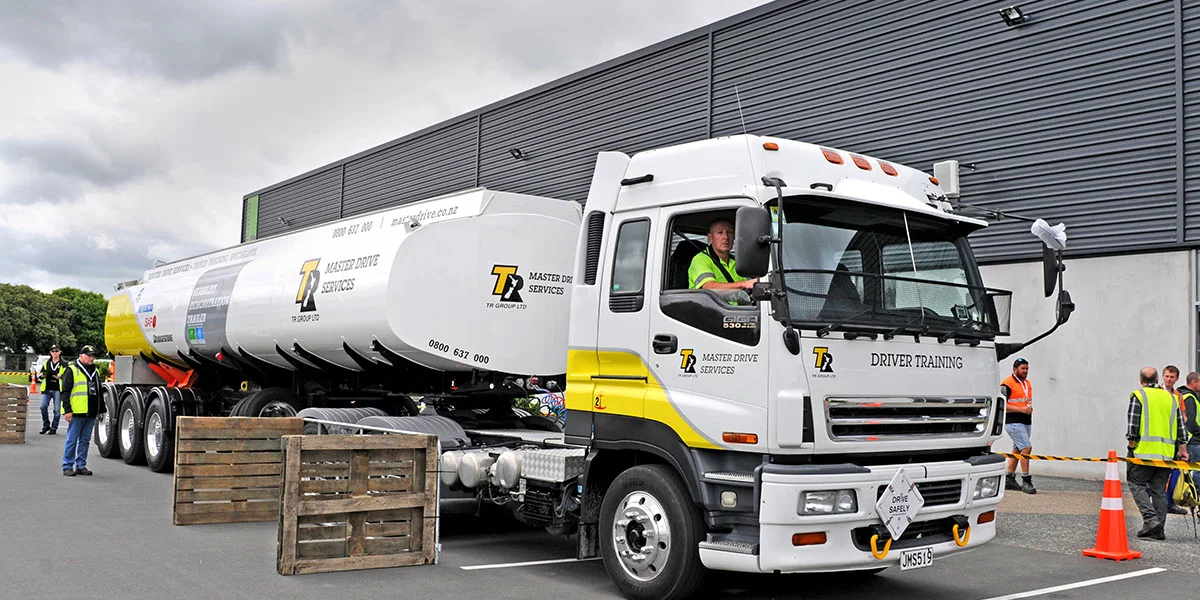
pixel 110 536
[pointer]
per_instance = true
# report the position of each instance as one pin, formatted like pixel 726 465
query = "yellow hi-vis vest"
pixel 1159 424
pixel 79 391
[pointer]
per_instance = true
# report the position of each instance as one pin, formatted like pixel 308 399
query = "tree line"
pixel 34 320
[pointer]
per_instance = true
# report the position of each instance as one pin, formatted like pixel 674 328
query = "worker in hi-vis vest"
pixel 1155 432
pixel 1018 423
pixel 81 402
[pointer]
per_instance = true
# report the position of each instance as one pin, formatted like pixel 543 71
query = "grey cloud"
pixel 56 170
pixel 80 262
pixel 174 40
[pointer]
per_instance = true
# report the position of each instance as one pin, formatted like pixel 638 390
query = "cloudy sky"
pixel 130 130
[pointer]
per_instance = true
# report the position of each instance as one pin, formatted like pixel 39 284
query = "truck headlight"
pixel 828 502
pixel 987 487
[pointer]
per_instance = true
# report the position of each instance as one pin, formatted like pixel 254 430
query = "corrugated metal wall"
pixel 1076 116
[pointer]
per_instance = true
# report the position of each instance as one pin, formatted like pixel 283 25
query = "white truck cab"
pixel 868 351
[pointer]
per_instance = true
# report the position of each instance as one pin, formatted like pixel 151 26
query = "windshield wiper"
pixel 824 331
pixel 901 329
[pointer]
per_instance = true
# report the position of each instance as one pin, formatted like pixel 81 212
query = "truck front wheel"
pixel 651 533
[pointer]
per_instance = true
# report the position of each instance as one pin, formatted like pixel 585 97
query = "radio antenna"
pixel 745 134
pixel 738 96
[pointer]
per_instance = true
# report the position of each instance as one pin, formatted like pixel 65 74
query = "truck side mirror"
pixel 1050 270
pixel 752 241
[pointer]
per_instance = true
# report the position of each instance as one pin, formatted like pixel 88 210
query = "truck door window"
pixel 629 266
pixel 702 309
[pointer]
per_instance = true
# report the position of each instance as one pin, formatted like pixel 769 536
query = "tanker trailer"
pixel 456 298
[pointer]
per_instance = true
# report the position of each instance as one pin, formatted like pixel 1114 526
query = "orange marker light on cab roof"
pixel 739 438
pixel 861 162
pixel 770 146
pixel 889 169
pixel 832 156
pixel 934 181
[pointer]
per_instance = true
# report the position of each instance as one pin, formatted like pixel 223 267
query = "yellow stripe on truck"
pixel 619 382
pixel 122 334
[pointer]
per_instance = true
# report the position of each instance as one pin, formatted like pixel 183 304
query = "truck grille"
pixel 935 493
pixel 875 419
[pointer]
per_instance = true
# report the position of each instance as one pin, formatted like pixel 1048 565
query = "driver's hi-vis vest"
pixel 1159 424
pixel 1020 393
pixel 78 400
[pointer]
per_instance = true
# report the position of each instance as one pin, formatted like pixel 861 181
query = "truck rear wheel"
pixel 650 535
pixel 159 432
pixel 131 426
pixel 269 402
pixel 106 423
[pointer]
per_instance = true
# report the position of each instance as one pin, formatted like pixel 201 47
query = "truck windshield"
pixel 861 267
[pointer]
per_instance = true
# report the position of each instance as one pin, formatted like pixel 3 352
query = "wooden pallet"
pixel 13 402
pixel 227 470
pixel 357 502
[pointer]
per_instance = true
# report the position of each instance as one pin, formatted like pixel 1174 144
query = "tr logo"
pixel 508 284
pixel 310 278
pixel 824 361
pixel 688 361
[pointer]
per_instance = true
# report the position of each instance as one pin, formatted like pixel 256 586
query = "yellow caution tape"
pixel 11 373
pixel 1149 462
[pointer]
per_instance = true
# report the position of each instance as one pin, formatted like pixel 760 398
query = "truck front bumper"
pixel 847 544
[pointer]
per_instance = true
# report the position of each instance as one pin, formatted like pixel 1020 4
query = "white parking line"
pixel 526 564
pixel 1071 586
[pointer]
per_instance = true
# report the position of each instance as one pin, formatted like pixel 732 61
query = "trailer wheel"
pixel 130 427
pixel 269 402
pixel 106 423
pixel 650 535
pixel 159 432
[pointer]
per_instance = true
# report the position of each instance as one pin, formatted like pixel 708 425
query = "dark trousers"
pixel 1149 488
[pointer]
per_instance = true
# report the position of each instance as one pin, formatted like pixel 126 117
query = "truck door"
pixel 620 385
pixel 706 352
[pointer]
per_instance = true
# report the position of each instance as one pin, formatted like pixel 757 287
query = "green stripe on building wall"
pixel 251 212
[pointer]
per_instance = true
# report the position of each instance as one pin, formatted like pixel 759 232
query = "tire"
pixel 158 431
pixel 236 411
pixel 653 554
pixel 269 402
pixel 130 425
pixel 106 423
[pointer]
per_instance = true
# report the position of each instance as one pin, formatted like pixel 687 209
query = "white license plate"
pixel 916 559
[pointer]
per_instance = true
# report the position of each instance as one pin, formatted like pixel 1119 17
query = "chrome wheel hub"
pixel 641 536
pixel 102 429
pixel 154 435
pixel 127 429
pixel 277 409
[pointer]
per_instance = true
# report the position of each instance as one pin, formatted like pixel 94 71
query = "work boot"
pixel 1027 484
pixel 53 432
pixel 43 431
pixel 1177 510
pixel 1010 482
pixel 1148 529
pixel 83 471
pixel 69 472
pixel 1160 532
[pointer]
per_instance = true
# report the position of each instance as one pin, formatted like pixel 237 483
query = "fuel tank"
pixel 474 280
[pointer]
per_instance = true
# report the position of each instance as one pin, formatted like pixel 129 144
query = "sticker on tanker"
pixel 311 282
pixel 509 287
pixel 208 309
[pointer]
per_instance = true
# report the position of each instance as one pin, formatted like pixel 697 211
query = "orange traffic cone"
pixel 1111 540
pixel 32 383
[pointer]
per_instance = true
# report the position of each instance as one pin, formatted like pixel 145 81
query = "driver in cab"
pixel 714 267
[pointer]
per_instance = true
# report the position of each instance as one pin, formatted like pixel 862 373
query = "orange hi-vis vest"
pixel 1020 393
